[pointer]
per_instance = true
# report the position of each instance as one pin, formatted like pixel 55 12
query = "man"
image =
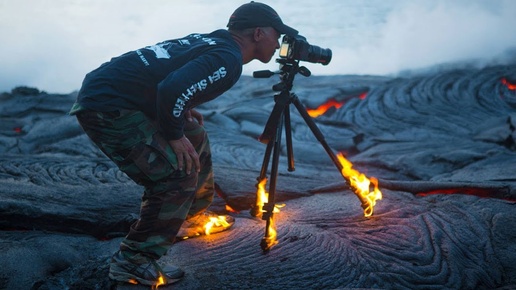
pixel 138 109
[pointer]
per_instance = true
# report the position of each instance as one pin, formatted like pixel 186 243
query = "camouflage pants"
pixel 132 142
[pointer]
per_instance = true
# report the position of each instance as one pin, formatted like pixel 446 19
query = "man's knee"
pixel 181 183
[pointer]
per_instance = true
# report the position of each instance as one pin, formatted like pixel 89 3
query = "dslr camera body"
pixel 297 48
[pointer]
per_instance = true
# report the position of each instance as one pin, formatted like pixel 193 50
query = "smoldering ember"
pixel 442 144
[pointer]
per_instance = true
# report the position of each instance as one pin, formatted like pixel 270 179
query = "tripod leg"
pixel 268 137
pixel 269 206
pixel 265 163
pixel 315 130
pixel 288 137
pixel 269 238
pixel 256 210
pixel 367 198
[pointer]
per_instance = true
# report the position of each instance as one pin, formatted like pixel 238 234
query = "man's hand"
pixel 185 153
pixel 191 114
pixel 184 149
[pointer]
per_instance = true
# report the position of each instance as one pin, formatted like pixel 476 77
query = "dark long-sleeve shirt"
pixel 165 80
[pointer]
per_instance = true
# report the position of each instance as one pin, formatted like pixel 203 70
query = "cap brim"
pixel 285 29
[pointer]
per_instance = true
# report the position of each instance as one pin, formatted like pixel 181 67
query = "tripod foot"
pixel 266 244
pixel 255 211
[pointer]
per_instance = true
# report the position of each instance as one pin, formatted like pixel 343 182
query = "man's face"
pixel 267 43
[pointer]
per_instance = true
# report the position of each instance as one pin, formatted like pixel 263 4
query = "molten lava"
pixel 509 85
pixel 361 185
pixel 324 107
pixel 332 103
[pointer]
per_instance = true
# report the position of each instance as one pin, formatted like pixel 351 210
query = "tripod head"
pixel 288 69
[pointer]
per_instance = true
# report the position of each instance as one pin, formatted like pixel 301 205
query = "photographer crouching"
pixel 138 108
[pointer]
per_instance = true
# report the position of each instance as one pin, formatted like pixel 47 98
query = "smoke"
pixel 51 45
pixel 419 34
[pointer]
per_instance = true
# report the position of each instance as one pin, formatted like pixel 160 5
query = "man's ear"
pixel 258 34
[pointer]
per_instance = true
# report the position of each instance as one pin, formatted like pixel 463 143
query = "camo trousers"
pixel 132 142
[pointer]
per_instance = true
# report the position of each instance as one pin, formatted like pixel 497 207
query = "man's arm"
pixel 204 76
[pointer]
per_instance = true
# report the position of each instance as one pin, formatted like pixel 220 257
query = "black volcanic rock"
pixel 443 143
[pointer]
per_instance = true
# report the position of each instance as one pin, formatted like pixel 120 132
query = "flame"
pixel 509 85
pixel 324 107
pixel 361 185
pixel 161 281
pixel 262 198
pixel 230 209
pixel 270 239
pixel 219 221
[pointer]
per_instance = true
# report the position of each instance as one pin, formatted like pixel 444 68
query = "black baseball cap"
pixel 255 14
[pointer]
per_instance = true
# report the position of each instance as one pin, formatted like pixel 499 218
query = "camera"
pixel 297 48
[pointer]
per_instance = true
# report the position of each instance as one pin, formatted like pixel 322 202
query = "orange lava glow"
pixel 324 107
pixel 332 103
pixel 361 185
pixel 509 85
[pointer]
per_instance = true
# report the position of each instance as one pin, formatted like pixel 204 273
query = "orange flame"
pixel 361 185
pixel 219 221
pixel 161 281
pixel 508 84
pixel 270 239
pixel 324 107
pixel 262 197
pixel 230 209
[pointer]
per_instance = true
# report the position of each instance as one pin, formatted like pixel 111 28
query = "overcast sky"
pixel 52 44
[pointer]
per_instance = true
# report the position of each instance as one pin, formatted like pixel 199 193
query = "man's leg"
pixel 133 143
pixel 205 185
pixel 198 216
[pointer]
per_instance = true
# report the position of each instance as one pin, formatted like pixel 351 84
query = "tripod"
pixel 279 119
